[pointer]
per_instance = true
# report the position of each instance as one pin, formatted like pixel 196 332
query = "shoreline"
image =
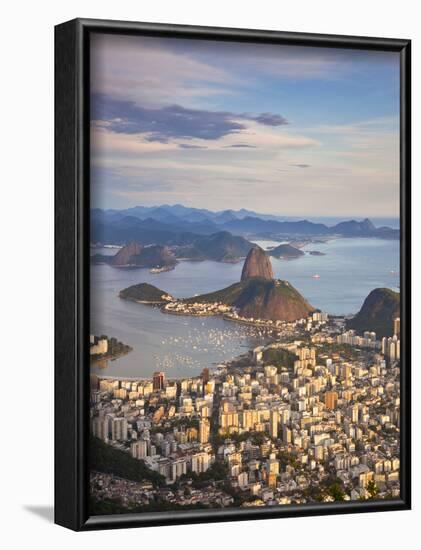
pixel 148 378
pixel 96 360
pixel 224 316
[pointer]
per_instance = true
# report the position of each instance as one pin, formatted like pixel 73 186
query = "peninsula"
pixel 103 349
pixel 258 296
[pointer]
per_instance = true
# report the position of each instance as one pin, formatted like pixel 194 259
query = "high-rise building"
pixel 384 345
pixel 318 452
pixel 273 464
pixel 306 357
pixel 205 376
pixel 391 347
pixel 272 477
pixel 243 480
pixel 100 428
pixel 204 430
pixel 392 351
pixel 346 372
pixel 249 418
pixel 331 400
pixel 178 468
pixel 200 462
pixel 274 421
pixel 165 468
pixel 286 434
pixel 397 326
pixel 99 346
pixel 139 449
pixel 119 429
pixel 354 412
pixel 192 434
pixel 158 380
pixel 228 416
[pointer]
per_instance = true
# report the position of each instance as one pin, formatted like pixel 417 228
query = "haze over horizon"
pixel 280 216
pixel 307 132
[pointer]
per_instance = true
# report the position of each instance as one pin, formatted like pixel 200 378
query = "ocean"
pixel 183 346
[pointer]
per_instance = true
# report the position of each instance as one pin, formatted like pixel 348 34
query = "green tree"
pixel 372 490
pixel 336 492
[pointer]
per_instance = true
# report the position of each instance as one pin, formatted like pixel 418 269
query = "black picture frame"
pixel 72 271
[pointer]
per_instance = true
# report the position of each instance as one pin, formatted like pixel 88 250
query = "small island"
pixel 145 293
pixel 157 257
pixel 286 252
pixel 316 253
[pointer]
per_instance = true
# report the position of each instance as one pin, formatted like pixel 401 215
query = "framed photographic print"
pixel 232 274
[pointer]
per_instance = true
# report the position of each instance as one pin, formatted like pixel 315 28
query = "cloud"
pixel 269 119
pixel 153 71
pixel 239 146
pixel 190 146
pixel 175 118
pixel 261 140
pixel 164 123
pixel 173 121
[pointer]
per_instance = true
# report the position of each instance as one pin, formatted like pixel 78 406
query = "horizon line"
pixel 301 216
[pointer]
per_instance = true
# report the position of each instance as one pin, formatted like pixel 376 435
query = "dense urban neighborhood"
pixel 313 416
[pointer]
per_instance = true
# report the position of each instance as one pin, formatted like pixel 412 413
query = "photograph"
pixel 210 241
pixel 244 274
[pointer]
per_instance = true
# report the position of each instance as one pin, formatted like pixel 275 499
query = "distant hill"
pixel 253 225
pixel 128 229
pixel 181 212
pixel 155 256
pixel 285 251
pixel 124 255
pixel 222 247
pixel 377 313
pixel 257 264
pixel 144 292
pixel 256 226
pixel 181 225
pixel 135 255
pixel 354 228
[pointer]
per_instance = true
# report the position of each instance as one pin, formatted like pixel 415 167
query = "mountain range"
pixel 180 225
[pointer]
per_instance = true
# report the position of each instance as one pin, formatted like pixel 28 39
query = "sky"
pixel 286 130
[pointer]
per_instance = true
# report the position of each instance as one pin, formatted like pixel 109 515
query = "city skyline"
pixel 294 130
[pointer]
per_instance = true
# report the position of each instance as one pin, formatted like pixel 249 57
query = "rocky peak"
pixel 257 264
pixel 125 254
pixel 367 225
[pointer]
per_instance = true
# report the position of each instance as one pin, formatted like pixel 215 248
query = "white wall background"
pixel 26 365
